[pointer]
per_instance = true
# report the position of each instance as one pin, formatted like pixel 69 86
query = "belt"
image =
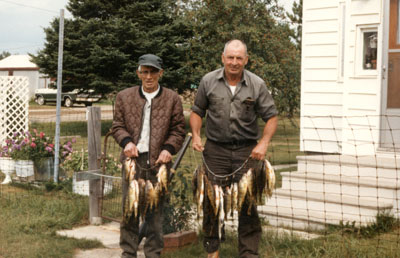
pixel 235 142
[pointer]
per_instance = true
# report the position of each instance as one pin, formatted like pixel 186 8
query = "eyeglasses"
pixel 151 72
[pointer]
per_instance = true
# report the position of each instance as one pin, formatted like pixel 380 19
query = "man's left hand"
pixel 164 157
pixel 259 151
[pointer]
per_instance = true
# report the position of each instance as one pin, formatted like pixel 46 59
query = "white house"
pixel 350 88
pixel 21 65
pixel 350 116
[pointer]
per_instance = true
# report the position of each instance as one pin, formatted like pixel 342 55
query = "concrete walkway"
pixel 108 234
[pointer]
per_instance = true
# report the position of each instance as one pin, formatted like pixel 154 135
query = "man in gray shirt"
pixel 232 99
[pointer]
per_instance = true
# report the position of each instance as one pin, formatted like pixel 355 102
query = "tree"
pixel 4 54
pixel 297 20
pixel 103 41
pixel 272 54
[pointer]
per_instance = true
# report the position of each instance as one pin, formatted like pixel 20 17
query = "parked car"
pixel 79 96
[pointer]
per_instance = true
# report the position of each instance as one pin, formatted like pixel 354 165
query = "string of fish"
pixel 142 194
pixel 251 186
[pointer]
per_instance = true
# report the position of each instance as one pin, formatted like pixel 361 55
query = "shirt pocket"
pixel 216 106
pixel 247 110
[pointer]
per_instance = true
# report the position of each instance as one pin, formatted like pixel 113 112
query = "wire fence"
pixel 348 203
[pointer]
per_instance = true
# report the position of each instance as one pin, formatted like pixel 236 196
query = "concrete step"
pixel 306 219
pixel 317 201
pixel 353 186
pixel 368 166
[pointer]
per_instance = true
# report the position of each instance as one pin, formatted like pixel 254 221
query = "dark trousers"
pixel 130 230
pixel 223 159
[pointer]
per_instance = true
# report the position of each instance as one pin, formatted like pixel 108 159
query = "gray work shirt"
pixel 233 117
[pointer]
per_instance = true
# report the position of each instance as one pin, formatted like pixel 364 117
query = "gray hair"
pixel 236 41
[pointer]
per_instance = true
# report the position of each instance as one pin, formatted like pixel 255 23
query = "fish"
pixel 250 189
pixel 133 197
pixel 259 180
pixel 234 197
pixel 142 197
pixel 152 194
pixel 242 190
pixel 130 169
pixel 210 193
pixel 194 183
pixel 227 201
pixel 270 175
pixel 200 192
pixel 217 200
pixel 162 178
pixel 221 216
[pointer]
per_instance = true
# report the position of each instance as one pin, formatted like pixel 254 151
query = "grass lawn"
pixel 29 219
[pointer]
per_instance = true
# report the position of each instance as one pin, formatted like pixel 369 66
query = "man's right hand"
pixel 130 150
pixel 196 143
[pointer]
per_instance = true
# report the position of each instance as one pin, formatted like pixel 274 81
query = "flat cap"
pixel 151 60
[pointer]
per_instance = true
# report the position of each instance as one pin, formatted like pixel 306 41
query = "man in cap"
pixel 233 98
pixel 149 125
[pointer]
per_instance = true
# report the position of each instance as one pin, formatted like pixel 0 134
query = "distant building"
pixel 21 65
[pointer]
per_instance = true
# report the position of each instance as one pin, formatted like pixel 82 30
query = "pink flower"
pixel 41 135
pixel 33 145
pixel 51 145
pixel 33 139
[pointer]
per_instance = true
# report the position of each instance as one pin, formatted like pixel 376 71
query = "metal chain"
pixel 223 176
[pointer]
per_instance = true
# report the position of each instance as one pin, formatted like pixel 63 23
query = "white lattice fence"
pixel 14 105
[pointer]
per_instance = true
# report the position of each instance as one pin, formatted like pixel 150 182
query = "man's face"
pixel 149 76
pixel 234 59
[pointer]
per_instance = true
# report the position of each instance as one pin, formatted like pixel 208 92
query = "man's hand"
pixel 130 150
pixel 259 151
pixel 196 143
pixel 164 157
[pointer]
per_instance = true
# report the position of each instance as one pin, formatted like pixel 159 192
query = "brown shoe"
pixel 213 255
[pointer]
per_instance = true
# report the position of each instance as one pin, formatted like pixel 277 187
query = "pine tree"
pixel 104 39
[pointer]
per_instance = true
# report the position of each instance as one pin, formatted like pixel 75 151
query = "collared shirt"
pixel 144 139
pixel 233 117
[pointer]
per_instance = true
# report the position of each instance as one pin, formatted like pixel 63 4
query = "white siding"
pixel 362 93
pixel 339 111
pixel 322 95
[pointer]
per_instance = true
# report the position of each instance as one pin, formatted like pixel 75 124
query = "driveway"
pixel 76 113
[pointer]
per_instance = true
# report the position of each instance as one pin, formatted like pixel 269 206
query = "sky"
pixel 22 23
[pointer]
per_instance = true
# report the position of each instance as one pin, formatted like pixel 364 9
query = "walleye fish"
pixel 221 216
pixel 227 201
pixel 130 169
pixel 151 195
pixel 133 195
pixel 234 197
pixel 162 177
pixel 270 174
pixel 210 193
pixel 200 192
pixel 217 196
pixel 242 190
pixel 142 197
pixel 194 183
pixel 250 189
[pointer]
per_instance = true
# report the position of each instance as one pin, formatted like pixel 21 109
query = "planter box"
pixel 177 240
pixel 7 166
pixel 82 187
pixel 25 170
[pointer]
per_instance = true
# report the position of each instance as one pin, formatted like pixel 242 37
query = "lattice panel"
pixel 14 105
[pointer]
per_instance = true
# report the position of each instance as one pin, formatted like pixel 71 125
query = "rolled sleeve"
pixel 265 104
pixel 201 101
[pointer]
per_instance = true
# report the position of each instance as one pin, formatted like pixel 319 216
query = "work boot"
pixel 213 255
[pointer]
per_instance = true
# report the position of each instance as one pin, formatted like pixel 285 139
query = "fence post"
pixel 94 147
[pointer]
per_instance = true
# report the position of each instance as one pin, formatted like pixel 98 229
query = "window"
pixel 370 42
